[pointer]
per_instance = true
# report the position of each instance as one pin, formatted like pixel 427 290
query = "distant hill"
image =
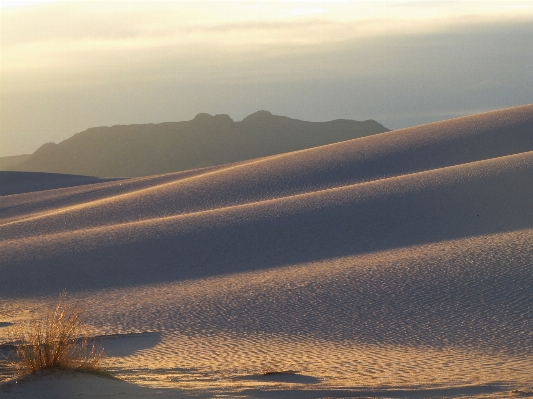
pixel 150 149
pixel 12 161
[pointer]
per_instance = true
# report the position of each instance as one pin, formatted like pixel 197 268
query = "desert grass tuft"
pixel 56 342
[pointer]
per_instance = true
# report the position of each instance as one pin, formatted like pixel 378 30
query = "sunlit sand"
pixel 395 265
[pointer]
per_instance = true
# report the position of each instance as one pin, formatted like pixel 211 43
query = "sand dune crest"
pixel 399 263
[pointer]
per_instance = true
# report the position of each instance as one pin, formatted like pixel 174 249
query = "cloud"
pixel 254 21
pixel 78 43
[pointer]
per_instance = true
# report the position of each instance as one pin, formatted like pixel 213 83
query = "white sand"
pixel 396 265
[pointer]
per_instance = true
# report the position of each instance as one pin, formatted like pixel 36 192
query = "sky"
pixel 70 65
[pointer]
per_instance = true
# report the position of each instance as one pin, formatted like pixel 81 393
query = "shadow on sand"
pixel 420 393
pixel 280 376
pixel 118 345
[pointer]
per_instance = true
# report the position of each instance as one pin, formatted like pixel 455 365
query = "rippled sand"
pixel 397 265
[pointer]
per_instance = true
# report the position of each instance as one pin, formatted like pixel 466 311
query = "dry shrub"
pixel 56 342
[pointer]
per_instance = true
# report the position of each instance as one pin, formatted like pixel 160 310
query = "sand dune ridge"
pixel 400 257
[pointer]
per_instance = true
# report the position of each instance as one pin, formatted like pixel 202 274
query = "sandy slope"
pixel 26 182
pixel 396 265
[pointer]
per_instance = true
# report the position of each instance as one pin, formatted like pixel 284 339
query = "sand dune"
pixel 26 182
pixel 395 265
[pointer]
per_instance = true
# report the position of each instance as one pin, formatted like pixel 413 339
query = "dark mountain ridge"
pixel 206 140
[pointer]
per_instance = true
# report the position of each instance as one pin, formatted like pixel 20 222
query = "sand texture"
pixel 394 265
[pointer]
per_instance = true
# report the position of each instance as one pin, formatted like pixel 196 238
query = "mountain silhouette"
pixel 206 140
